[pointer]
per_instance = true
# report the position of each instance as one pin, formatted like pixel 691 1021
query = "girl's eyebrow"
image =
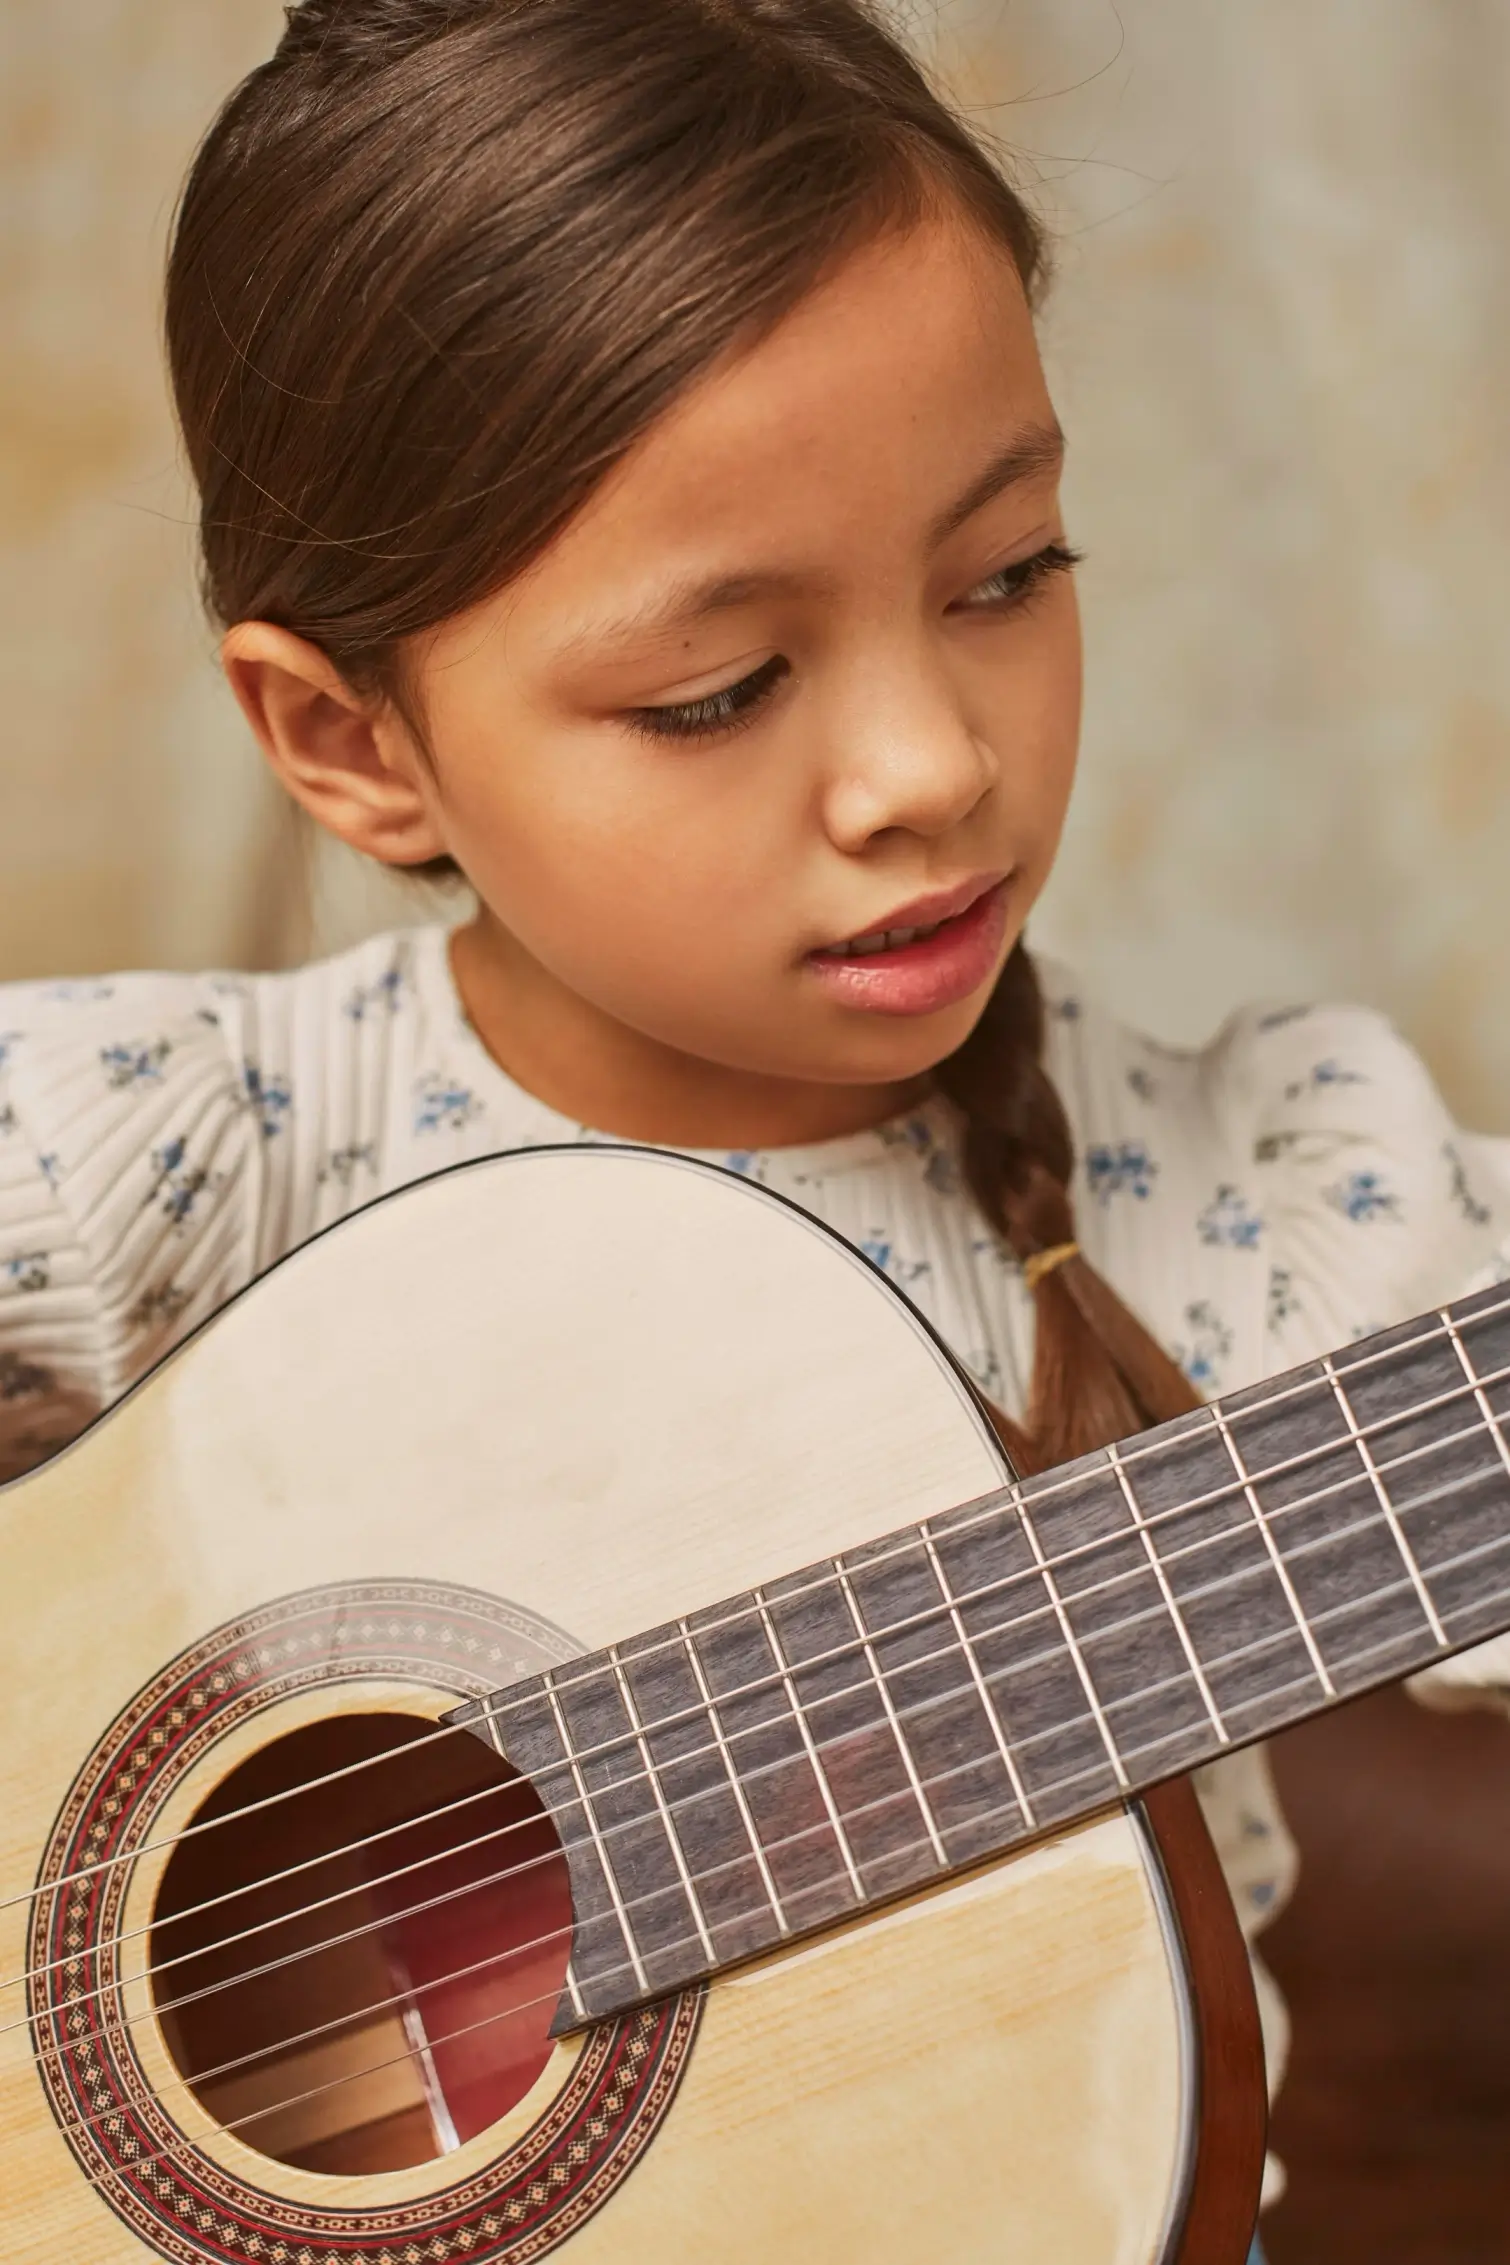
pixel 1033 453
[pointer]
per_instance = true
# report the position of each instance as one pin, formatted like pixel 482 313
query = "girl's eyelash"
pixel 720 712
pixel 738 704
pixel 1027 575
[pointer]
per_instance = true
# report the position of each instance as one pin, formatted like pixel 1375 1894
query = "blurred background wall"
pixel 1281 343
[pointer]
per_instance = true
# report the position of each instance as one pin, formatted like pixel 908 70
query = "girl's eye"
pixel 720 712
pixel 1009 588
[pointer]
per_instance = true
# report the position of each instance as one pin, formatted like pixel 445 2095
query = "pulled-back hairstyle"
pixel 440 264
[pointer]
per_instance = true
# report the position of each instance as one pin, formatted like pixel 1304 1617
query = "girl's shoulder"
pixel 165 1136
pixel 1309 1134
pixel 94 1045
pixel 384 974
pixel 1270 1062
pixel 207 1087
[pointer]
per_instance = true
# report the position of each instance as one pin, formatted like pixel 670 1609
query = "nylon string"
pixel 1051 1786
pixel 281 2106
pixel 1011 1495
pixel 1158 1611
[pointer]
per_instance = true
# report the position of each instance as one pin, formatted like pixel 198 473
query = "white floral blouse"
pixel 1293 1185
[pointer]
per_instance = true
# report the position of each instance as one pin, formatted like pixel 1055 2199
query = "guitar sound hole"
pixel 391 1996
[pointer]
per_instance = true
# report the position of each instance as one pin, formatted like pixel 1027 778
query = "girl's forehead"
pixel 910 327
pixel 883 390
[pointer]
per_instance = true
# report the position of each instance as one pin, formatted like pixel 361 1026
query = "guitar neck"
pixel 882 1720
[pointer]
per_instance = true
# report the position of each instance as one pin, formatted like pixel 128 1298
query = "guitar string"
pixel 1014 1495
pixel 1033 1492
pixel 679 1802
pixel 750 1911
pixel 1157 1612
pixel 850 1649
pixel 123 2109
pixel 865 1731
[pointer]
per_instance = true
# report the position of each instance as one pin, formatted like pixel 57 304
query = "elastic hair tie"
pixel 1040 1264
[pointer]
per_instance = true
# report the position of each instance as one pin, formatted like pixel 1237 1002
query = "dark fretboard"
pixel 880 1720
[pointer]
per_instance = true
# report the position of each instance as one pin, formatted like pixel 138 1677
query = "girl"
pixel 629 483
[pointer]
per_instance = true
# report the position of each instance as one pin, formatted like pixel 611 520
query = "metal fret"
pixel 967 1651
pixel 735 1786
pixel 653 1775
pixel 1134 1511
pixel 1302 1624
pixel 1366 1454
pixel 1481 1397
pixel 1234 1570
pixel 799 1715
pixel 597 1839
pixel 1068 1633
pixel 929 1823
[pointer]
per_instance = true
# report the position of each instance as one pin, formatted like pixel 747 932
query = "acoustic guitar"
pixel 549 1724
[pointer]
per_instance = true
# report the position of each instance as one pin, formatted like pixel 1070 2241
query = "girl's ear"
pixel 350 761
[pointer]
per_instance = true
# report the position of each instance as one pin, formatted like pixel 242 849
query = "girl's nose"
pixel 921 770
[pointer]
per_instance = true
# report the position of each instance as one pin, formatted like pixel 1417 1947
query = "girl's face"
pixel 803 673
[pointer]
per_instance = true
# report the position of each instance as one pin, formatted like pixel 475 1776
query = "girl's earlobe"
pixel 346 758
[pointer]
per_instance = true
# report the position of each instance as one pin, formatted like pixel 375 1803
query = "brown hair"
pixel 439 265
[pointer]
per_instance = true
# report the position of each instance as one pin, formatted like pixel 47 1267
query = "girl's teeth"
pixel 885 940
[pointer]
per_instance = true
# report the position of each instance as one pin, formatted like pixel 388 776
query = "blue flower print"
pixel 28 1270
pixel 442 1105
pixel 387 992
pixel 135 1063
pixel 1067 1009
pixel 1363 1197
pixel 942 1173
pixel 1476 1213
pixel 157 1308
pixel 882 1253
pixel 745 1161
pixel 177 1185
pixel 1321 1076
pixel 342 1164
pixel 87 993
pixel 23 1380
pixel 985 1368
pixel 1210 1344
pixel 9 1041
pixel 1125 1169
pixel 913 1132
pixel 1282 1299
pixel 50 1166
pixel 268 1098
pixel 1143 1083
pixel 1228 1221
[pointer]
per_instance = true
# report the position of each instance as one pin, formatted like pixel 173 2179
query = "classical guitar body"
pixel 526 1409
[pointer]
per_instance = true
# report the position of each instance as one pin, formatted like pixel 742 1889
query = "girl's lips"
pixel 930 973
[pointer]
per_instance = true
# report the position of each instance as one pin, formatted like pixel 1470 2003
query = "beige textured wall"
pixel 1282 344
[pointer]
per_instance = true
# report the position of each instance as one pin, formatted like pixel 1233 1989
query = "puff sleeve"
pixel 1378 1205
pixel 130 1175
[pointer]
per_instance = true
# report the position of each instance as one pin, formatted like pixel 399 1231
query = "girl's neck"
pixel 585 1065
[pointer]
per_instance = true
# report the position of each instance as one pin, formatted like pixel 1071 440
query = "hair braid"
pixel 1097 1373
